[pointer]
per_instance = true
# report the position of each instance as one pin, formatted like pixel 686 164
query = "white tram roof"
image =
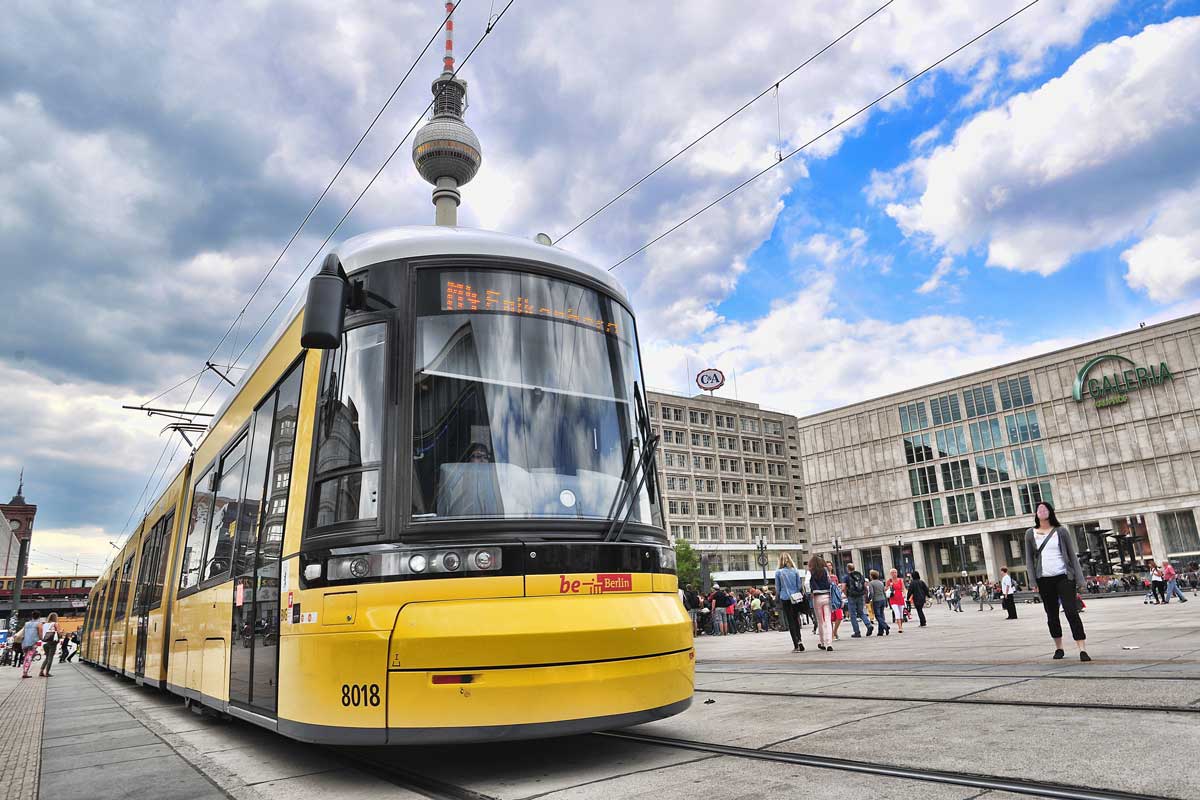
pixel 415 241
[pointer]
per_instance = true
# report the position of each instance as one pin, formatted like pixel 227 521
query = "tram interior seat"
pixel 487 490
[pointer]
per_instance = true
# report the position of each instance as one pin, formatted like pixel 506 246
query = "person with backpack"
pixel 30 636
pixel 791 593
pixel 856 596
pixel 1052 561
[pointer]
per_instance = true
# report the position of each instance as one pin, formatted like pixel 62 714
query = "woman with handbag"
pixel 49 643
pixel 895 588
pixel 791 594
pixel 1054 564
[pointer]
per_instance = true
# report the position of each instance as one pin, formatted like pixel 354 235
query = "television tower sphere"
pixel 445 151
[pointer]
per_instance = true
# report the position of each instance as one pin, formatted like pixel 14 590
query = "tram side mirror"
pixel 325 308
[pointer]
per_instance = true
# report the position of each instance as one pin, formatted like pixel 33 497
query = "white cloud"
pixel 1083 162
pixel 1165 264
pixel 940 272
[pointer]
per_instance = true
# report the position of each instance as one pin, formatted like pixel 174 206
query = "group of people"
pixel 1164 583
pixel 42 634
pixel 826 598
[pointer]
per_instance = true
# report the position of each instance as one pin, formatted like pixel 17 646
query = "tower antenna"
pixel 445 151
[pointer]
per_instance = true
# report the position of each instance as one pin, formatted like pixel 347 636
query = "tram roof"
pixel 414 241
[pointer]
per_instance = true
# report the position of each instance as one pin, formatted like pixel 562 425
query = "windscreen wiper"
pixel 644 465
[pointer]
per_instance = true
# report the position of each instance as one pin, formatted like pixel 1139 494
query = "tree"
pixel 687 563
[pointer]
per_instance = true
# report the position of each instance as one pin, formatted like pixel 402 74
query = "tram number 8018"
pixel 360 695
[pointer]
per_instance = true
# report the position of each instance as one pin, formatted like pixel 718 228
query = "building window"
pixel 775 469
pixel 1015 392
pixel 928 513
pixel 701 440
pixel 986 434
pixel 1034 493
pixel 961 508
pixel 979 401
pixel 698 417
pixel 918 448
pixel 1022 427
pixel 923 480
pixel 944 409
pixel 739 562
pixel 754 468
pixel 1029 462
pixel 724 421
pixel 681 532
pixel 784 535
pixel 750 425
pixel 951 442
pixel 653 410
pixel 735 533
pixel 772 428
pixel 1179 532
pixel 732 510
pixel 912 417
pixel 716 563
pixel 706 509
pixel 703 462
pixel 726 443
pixel 997 503
pixel 956 475
pixel 991 468
pixel 780 512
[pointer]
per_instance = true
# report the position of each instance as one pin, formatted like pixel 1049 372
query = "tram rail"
pixel 977 781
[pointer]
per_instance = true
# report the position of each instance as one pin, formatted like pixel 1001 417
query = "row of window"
pixel 996 504
pixel 1028 462
pixel 682 483
pixel 733 533
pixel 708 463
pixel 979 401
pixel 986 434
pixel 50 583
pixel 728 422
pixel 672 436
pixel 708 508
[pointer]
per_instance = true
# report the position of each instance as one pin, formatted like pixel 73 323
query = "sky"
pixel 1038 189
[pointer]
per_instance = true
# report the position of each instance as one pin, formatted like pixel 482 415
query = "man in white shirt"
pixel 1008 589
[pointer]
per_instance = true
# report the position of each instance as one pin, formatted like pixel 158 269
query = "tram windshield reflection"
pixel 524 398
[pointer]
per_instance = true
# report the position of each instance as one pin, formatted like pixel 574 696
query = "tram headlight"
pixel 451 561
pixel 483 559
pixel 666 557
pixel 418 563
pixel 360 567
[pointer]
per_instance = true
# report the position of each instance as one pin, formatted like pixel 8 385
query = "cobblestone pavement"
pixel 23 709
pixel 971 695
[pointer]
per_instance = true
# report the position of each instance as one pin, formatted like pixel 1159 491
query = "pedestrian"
pixel 1052 561
pixel 30 636
pixel 985 594
pixel 719 602
pixel 1008 590
pixel 1158 586
pixel 856 598
pixel 74 645
pixel 879 603
pixel 64 649
pixel 918 593
pixel 819 586
pixel 954 603
pixel 791 592
pixel 691 602
pixel 18 647
pixel 895 594
pixel 1172 579
pixel 49 643
pixel 837 599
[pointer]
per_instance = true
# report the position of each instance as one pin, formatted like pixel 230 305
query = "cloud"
pixel 1085 161
pixel 940 272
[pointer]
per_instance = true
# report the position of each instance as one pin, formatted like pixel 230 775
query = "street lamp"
pixel 962 556
pixel 837 557
pixel 762 556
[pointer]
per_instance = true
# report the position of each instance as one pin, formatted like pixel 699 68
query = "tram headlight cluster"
pixel 382 564
pixel 666 558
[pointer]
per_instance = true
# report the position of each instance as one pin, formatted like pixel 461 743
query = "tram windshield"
pixel 524 398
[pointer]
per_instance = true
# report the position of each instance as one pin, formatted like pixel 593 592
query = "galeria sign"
pixel 1112 389
pixel 710 379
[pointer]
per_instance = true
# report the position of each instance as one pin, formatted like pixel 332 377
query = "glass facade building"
pixel 945 478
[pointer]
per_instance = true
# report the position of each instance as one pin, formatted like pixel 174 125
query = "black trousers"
pixel 1010 605
pixel 920 607
pixel 1055 590
pixel 792 612
pixel 1160 590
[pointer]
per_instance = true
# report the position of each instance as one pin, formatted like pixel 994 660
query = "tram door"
pixel 254 648
pixel 141 605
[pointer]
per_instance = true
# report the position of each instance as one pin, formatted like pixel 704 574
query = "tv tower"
pixel 445 151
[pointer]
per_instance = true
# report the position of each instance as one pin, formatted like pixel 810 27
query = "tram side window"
pixel 350 433
pixel 162 552
pixel 219 552
pixel 193 548
pixel 123 595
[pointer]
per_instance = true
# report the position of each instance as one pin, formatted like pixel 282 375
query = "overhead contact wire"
pixel 821 135
pixel 743 107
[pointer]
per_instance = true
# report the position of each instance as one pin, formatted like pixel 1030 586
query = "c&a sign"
pixel 1112 388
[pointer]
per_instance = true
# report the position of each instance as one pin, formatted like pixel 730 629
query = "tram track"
pixel 961 700
pixel 972 780
pixel 433 788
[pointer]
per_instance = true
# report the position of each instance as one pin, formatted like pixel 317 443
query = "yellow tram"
pixel 427 513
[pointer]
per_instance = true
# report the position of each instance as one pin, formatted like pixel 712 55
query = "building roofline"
pixel 967 375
